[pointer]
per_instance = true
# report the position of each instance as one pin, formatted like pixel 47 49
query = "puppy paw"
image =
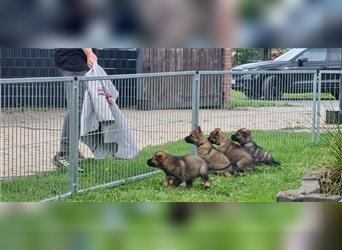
pixel 166 182
pixel 226 174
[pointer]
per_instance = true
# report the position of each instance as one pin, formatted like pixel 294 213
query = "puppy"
pixel 180 169
pixel 235 153
pixel 216 160
pixel 243 137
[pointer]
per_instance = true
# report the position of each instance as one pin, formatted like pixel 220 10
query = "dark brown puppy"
pixel 180 168
pixel 216 160
pixel 235 153
pixel 244 138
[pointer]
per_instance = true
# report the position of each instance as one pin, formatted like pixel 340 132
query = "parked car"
pixel 272 86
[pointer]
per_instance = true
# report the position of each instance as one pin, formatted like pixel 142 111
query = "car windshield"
pixel 288 56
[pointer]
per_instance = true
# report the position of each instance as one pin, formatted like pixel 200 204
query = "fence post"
pixel 74 134
pixel 314 108
pixel 318 107
pixel 195 102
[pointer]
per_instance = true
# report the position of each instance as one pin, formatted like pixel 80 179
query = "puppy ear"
pixel 160 155
pixel 245 132
pixel 199 129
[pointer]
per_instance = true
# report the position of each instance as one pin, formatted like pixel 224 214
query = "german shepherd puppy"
pixel 244 138
pixel 180 169
pixel 216 160
pixel 235 153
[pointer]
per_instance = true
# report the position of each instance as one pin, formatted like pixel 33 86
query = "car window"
pixel 289 55
pixel 334 54
pixel 315 55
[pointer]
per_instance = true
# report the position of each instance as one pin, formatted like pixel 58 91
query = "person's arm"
pixel 91 57
pixel 91 60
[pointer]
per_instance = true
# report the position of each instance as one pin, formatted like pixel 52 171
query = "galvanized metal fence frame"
pixel 196 85
pixel 319 98
pixel 74 126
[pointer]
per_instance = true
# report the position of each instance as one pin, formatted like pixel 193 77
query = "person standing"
pixel 71 62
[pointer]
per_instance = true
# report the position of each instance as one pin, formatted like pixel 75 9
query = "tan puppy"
pixel 235 153
pixel 260 155
pixel 180 168
pixel 216 160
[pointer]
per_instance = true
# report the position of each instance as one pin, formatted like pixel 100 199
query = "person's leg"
pixel 64 146
pixel 61 158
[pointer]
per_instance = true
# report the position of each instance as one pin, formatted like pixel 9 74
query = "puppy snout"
pixel 150 162
pixel 211 140
pixel 188 139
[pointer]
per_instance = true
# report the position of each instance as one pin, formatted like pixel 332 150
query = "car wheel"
pixel 271 89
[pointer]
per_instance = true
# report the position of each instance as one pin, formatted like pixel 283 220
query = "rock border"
pixel 309 191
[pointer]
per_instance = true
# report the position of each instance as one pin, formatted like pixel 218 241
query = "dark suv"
pixel 272 86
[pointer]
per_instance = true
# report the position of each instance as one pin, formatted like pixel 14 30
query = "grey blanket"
pixel 104 128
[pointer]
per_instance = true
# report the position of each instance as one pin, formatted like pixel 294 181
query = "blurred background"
pixel 282 226
pixel 177 23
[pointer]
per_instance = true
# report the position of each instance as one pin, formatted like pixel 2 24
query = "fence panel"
pixel 330 100
pixel 280 107
pixel 31 118
pixel 158 123
pixel 275 106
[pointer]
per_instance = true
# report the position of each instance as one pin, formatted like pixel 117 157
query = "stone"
pixel 291 195
pixel 315 175
pixel 309 186
pixel 309 191
pixel 321 197
pixel 295 196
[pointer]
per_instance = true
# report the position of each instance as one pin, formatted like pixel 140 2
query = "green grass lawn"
pixel 294 149
pixel 240 100
pixel 297 155
pixel 306 96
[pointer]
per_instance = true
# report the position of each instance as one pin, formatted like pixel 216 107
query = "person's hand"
pixel 91 60
pixel 91 57
pixel 109 99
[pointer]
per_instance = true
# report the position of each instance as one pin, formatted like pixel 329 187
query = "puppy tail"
pixel 232 168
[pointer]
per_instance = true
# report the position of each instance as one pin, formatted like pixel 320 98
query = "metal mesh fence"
pixel 160 120
pixel 280 108
pixel 281 103
pixel 31 130
pixel 31 119
pixel 329 106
